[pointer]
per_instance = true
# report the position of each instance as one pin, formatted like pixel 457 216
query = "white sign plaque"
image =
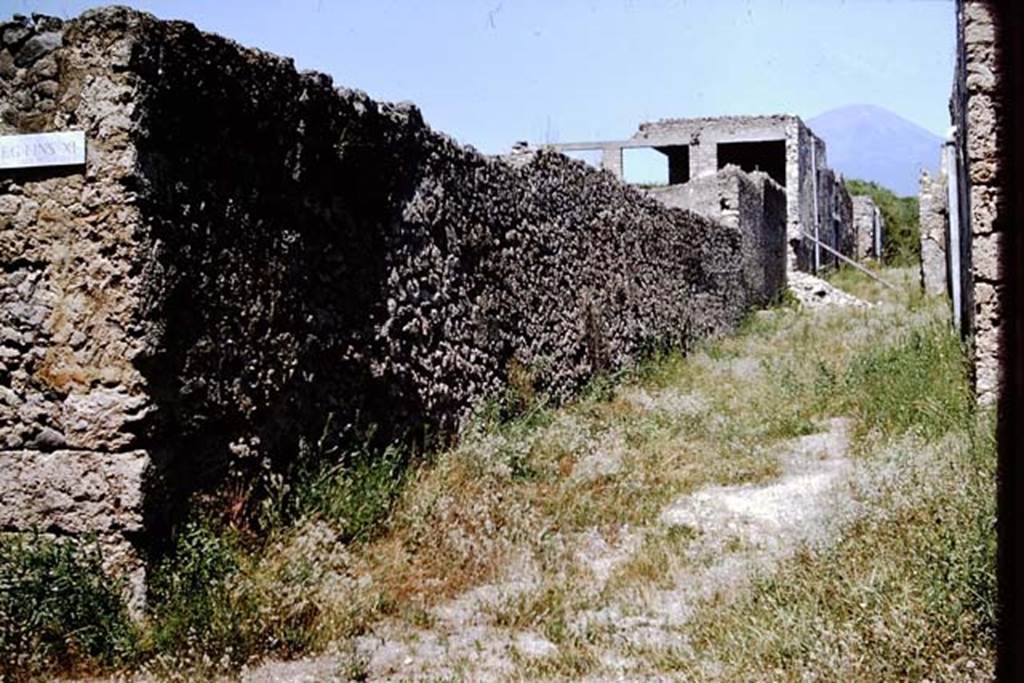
pixel 42 149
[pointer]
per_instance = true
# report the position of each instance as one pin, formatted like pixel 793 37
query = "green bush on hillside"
pixel 901 243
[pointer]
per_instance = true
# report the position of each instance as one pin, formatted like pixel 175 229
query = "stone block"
pixel 73 492
pixel 986 207
pixel 986 257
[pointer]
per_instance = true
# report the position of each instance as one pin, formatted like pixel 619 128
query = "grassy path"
pixel 810 498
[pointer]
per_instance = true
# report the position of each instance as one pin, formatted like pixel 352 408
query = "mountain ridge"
pixel 869 142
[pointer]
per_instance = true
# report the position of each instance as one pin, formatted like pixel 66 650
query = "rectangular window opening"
pixel 644 166
pixel 768 156
pixel 678 163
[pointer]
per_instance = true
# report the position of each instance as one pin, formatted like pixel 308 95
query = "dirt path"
pixel 732 532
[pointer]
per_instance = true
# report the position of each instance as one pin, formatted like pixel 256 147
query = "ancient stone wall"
pixel 755 206
pixel 976 115
pixel 72 393
pixel 842 216
pixel 835 218
pixel 805 157
pixel 934 225
pixel 250 253
pixel 867 220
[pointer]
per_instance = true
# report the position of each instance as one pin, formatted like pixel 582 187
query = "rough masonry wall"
pixel 934 221
pixel 976 114
pixel 866 218
pixel 835 219
pixel 802 184
pixel 752 204
pixel 71 394
pixel 843 215
pixel 250 253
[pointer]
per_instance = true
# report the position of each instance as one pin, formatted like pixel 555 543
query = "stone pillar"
pixel 866 224
pixel 703 158
pixel 933 221
pixel 979 80
pixel 611 160
pixel 72 397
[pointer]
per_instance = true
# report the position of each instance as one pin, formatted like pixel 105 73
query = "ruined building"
pixel 248 255
pixel 782 147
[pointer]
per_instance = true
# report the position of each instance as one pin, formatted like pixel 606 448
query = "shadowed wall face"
pixel 678 163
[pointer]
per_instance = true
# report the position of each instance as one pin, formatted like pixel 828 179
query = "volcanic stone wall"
pixel 250 254
pixel 755 206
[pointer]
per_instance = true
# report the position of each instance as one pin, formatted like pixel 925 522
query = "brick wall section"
pixel 752 204
pixel 250 251
pixel 934 224
pixel 975 112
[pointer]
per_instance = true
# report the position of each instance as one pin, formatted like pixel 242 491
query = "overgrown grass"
pixel 917 384
pixel 226 597
pixel 909 596
pixel 58 611
pixel 857 283
pixel 909 591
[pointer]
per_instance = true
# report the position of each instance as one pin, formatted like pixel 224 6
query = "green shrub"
pixel 357 494
pixel 223 597
pixel 215 605
pixel 58 609
pixel 353 487
pixel 191 602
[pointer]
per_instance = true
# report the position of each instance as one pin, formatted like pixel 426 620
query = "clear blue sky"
pixel 491 72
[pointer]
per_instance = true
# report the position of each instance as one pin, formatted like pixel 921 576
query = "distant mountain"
pixel 871 143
